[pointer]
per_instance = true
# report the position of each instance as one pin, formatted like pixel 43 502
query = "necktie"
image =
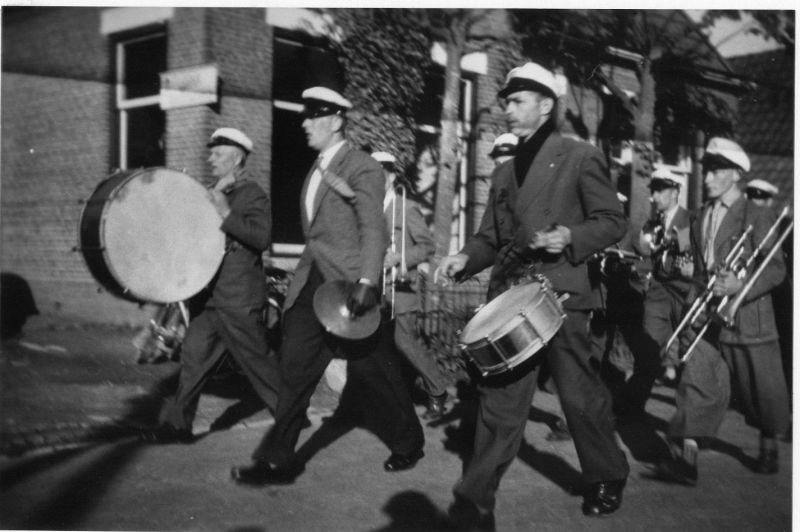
pixel 714 218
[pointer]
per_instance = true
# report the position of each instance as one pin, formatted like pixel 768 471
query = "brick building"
pixel 87 90
pixel 82 96
pixel 766 116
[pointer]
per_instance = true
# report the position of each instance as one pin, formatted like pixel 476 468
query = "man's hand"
pixel 450 266
pixel 362 297
pixel 391 259
pixel 220 203
pixel 552 241
pixel 726 284
pixel 685 266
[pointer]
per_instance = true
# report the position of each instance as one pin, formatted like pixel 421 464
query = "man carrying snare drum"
pixel 232 315
pixel 550 208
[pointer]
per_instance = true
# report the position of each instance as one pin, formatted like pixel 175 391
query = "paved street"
pixel 72 399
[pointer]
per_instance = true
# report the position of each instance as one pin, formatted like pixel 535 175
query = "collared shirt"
pixel 321 164
pixel 388 198
pixel 711 223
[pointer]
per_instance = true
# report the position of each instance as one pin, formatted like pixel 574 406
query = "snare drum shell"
pixel 512 328
pixel 151 235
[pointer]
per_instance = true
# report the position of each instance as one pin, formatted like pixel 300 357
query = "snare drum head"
pixel 162 236
pixel 500 314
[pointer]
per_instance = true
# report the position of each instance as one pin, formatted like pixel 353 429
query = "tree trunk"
pixel 448 148
pixel 643 154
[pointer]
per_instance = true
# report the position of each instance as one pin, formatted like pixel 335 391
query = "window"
pixel 427 115
pixel 298 63
pixel 142 123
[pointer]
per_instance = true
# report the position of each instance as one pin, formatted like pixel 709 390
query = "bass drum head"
pixel 497 317
pixel 161 236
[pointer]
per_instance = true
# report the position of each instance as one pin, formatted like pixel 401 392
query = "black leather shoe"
pixel 262 474
pixel 603 498
pixel 767 462
pixel 166 434
pixel 676 470
pixel 465 516
pixel 401 462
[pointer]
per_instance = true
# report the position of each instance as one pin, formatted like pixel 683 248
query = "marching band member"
pixel 750 357
pixel 761 192
pixel 665 292
pixel 233 305
pixel 413 245
pixel 346 240
pixel 549 208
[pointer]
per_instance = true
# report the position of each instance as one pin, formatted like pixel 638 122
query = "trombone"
pixel 701 303
pixel 733 262
pixel 728 313
pixel 396 276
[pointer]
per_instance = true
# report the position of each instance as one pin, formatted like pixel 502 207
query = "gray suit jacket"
pixel 347 237
pixel 419 248
pixel 755 320
pixel 567 184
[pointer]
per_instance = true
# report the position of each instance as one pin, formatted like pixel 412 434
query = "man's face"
pixel 389 177
pixel 664 199
pixel 525 111
pixel 500 159
pixel 427 171
pixel 763 202
pixel 223 160
pixel 321 131
pixel 720 181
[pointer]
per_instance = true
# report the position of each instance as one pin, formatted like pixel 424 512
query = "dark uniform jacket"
pixel 347 237
pixel 567 184
pixel 665 270
pixel 755 320
pixel 240 279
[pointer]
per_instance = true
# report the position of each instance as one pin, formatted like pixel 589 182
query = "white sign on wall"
pixel 187 87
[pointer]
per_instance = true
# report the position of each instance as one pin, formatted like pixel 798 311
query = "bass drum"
pixel 151 235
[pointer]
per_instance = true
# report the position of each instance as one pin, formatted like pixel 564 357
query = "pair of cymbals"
pixel 330 306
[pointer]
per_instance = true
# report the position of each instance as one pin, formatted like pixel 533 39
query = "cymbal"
pixel 330 306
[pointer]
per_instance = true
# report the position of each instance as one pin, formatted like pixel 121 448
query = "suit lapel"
pixel 698 236
pixel 540 175
pixel 729 229
pixel 333 166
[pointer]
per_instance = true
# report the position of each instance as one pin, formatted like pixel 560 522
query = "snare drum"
pixel 151 235
pixel 512 327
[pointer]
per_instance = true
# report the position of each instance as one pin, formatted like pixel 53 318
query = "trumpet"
pixel 653 235
pixel 727 313
pixel 701 303
pixel 397 276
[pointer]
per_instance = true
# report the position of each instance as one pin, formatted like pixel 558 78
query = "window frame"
pixel 124 104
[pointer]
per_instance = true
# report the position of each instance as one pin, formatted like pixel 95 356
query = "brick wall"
pixel 59 135
pixel 56 133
